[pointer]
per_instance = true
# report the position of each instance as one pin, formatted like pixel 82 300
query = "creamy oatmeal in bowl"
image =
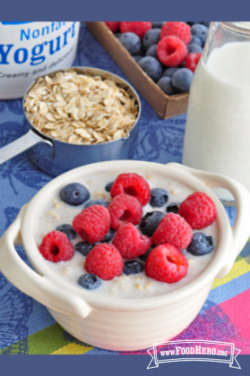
pixel 133 296
pixel 135 285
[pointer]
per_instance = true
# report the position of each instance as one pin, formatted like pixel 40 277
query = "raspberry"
pixel 174 230
pixel 171 51
pixel 93 223
pixel 105 261
pixel 192 61
pixel 139 28
pixel 166 264
pixel 179 29
pixel 198 210
pixel 56 247
pixel 130 242
pixel 113 26
pixel 124 209
pixel 133 185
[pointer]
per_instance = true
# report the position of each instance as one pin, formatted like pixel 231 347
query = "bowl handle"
pixel 30 282
pixel 241 228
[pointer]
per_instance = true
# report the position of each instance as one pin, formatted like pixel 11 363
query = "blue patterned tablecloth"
pixel 160 141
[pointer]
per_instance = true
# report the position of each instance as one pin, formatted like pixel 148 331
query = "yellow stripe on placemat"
pixel 72 349
pixel 239 268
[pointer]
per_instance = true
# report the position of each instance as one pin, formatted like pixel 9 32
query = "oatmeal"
pixel 80 109
pixel 138 285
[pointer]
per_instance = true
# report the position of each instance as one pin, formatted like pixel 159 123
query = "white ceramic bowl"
pixel 124 324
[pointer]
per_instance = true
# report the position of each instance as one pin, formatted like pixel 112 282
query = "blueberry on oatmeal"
pixel 109 186
pixel 201 244
pixel 89 281
pixel 159 197
pixel 172 208
pixel 133 267
pixel 67 229
pixel 84 248
pixel 74 194
pixel 101 202
pixel 109 236
pixel 150 222
pixel 145 256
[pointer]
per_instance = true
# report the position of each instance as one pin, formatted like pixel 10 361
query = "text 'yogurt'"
pixel 30 49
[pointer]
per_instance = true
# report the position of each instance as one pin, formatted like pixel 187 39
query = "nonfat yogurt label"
pixel 31 49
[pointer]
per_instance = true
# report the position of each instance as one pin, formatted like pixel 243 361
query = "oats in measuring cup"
pixel 80 109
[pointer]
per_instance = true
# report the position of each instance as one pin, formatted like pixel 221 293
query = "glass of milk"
pixel 217 134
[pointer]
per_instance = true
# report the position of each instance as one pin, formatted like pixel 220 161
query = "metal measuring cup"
pixel 56 157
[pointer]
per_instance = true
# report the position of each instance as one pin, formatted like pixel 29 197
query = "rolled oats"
pixel 80 109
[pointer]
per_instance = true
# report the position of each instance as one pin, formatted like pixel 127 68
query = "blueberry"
pixel 84 248
pixel 141 52
pixel 89 281
pixel 159 197
pixel 201 244
pixel 182 79
pixel 67 229
pixel 151 51
pixel 205 23
pixel 194 48
pixel 151 66
pixel 145 256
pixel 150 222
pixel 137 58
pixel 133 267
pixel 109 236
pixel 172 208
pixel 169 72
pixel 200 31
pixel 195 40
pixel 158 24
pixel 151 37
pixel 131 42
pixel 118 35
pixel 101 202
pixel 74 194
pixel 109 186
pixel 165 84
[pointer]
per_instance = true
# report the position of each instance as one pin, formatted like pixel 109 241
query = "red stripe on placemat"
pixel 238 311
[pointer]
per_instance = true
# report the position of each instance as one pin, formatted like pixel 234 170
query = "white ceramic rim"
pixel 224 241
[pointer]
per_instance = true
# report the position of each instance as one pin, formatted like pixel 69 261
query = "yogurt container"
pixel 31 49
pixel 121 323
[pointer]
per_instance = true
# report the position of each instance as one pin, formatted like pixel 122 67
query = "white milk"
pixel 135 286
pixel 218 122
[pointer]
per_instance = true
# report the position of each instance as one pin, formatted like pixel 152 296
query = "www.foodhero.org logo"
pixel 193 350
